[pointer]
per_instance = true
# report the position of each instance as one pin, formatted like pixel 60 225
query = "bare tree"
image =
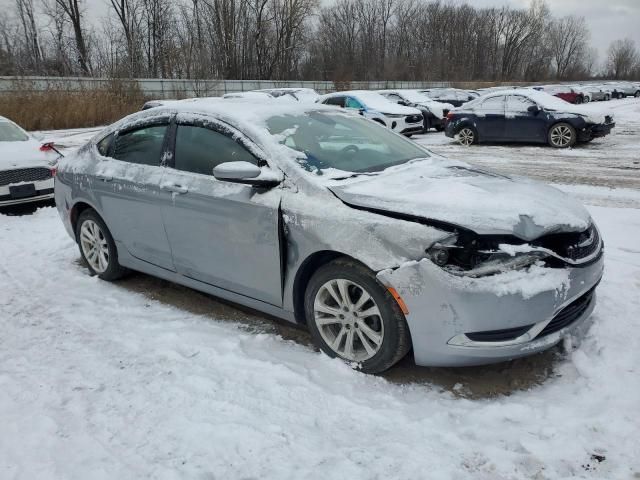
pixel 622 58
pixel 568 38
pixel 72 11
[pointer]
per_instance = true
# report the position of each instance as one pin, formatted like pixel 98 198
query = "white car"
pixel 372 105
pixel 434 112
pixel 26 166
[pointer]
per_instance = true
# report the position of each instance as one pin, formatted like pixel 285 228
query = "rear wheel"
pixel 427 124
pixel 587 99
pixel 562 135
pixel 467 136
pixel 97 247
pixel 579 100
pixel 607 98
pixel 351 316
pixel 637 94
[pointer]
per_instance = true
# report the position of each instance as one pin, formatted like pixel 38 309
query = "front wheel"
pixel 97 247
pixel 467 136
pixel 562 135
pixel 352 316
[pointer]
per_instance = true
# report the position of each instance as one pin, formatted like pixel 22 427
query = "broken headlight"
pixel 470 259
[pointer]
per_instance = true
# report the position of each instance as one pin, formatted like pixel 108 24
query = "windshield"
pixel 12 133
pixel 349 143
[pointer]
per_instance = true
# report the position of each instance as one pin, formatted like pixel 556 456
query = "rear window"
pixel 12 133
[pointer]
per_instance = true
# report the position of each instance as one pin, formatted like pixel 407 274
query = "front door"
pixel 127 188
pixel 521 124
pixel 221 233
pixel 490 119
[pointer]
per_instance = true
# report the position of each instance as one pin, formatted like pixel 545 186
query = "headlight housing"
pixel 470 259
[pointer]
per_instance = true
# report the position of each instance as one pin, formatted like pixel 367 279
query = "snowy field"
pixel 138 379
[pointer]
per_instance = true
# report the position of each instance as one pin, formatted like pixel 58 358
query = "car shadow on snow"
pixel 470 382
pixel 25 208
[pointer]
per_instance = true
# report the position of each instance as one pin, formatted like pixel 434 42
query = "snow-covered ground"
pixel 102 381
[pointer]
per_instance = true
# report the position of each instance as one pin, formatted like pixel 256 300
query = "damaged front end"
pixel 468 254
pixel 477 299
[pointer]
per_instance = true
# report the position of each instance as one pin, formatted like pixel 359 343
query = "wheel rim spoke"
pixel 94 246
pixel 342 322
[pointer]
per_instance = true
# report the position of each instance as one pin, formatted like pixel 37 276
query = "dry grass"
pixel 56 109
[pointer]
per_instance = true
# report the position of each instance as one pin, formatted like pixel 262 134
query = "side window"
pixel 337 101
pixel 142 146
pixel 200 150
pixel 104 144
pixel 353 103
pixel 394 97
pixel 518 104
pixel 492 105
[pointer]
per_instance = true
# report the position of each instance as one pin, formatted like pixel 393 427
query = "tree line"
pixel 303 40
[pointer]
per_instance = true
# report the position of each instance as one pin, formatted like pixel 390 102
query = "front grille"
pixel 569 314
pixel 18 175
pixel 573 246
pixel 413 119
pixel 498 335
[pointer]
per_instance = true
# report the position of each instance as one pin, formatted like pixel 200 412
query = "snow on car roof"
pixel 370 98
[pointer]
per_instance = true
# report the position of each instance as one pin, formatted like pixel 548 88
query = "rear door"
pixel 521 124
pixel 221 233
pixel 490 118
pixel 126 184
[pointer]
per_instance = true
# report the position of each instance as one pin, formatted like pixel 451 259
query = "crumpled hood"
pixel 458 194
pixel 23 155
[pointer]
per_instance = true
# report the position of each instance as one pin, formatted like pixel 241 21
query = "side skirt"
pixel 126 260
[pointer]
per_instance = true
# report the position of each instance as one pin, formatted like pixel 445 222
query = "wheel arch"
pixel 307 268
pixel 77 209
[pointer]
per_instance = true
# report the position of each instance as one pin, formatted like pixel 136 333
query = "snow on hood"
pixel 458 194
pixel 23 154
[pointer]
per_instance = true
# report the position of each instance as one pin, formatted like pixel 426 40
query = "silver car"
pixel 324 218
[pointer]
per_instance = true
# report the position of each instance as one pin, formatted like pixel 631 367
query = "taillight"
pixel 54 171
pixel 47 147
pixel 449 115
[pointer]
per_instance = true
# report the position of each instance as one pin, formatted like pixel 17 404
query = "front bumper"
pixel 596 131
pixel 443 309
pixel 43 191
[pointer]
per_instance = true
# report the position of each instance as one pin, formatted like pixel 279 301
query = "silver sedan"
pixel 327 219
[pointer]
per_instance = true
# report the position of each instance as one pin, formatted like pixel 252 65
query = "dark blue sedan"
pixel 525 115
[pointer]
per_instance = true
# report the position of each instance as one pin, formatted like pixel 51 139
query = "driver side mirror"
pixel 242 172
pixel 533 109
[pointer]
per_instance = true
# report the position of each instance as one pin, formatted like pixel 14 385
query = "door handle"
pixel 172 187
pixel 104 178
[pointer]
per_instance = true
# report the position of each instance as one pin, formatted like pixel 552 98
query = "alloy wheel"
pixel 466 136
pixel 348 320
pixel 94 246
pixel 561 136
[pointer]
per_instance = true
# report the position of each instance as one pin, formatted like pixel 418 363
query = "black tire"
pixel 396 341
pixel 440 128
pixel 579 99
pixel 427 124
pixel 607 98
pixel 637 94
pixel 467 135
pixel 114 270
pixel 562 135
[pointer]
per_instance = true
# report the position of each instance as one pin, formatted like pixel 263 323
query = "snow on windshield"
pixel 346 143
pixel 9 132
